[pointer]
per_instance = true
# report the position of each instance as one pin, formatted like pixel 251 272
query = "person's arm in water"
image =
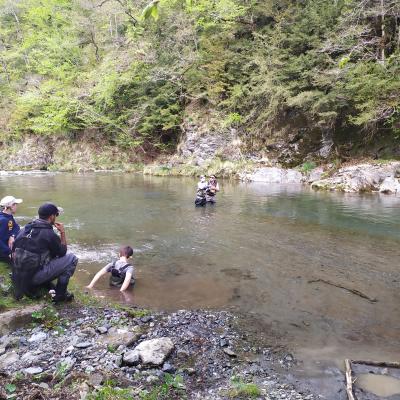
pixel 127 281
pixel 102 272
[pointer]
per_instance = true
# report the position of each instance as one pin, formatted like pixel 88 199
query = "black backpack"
pixel 26 262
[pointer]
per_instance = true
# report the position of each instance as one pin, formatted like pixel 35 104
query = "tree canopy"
pixel 132 72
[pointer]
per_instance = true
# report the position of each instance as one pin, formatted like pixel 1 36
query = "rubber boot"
pixel 61 291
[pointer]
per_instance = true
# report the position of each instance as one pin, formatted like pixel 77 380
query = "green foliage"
pixel 48 317
pixel 241 389
pixel 172 387
pixel 132 71
pixel 109 392
pixel 10 388
pixel 307 166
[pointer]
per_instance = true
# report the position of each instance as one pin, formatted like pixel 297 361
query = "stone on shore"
pixel 121 336
pixel 362 178
pixel 151 352
pixel 275 175
pixel 390 185
pixel 8 359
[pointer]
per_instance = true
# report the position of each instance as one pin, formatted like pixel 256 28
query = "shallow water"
pixel 256 251
pixel 380 385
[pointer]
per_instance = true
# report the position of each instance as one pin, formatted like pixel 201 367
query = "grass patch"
pixel 307 166
pixel 110 393
pixel 243 390
pixel 173 387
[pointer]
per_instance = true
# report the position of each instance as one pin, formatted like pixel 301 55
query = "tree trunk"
pixel 383 32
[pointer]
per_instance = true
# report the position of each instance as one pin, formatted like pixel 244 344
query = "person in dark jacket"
pixel 57 264
pixel 9 229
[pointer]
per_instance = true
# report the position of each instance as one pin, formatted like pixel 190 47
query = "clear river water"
pixel 279 254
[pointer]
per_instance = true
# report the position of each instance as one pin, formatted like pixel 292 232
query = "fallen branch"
pixel 377 363
pixel 354 291
pixel 349 381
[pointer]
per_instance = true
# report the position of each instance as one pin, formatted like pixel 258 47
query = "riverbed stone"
pixel 125 336
pixel 83 345
pixel 131 358
pixel 38 337
pixel 154 351
pixel 102 329
pixel 8 359
pixel 33 370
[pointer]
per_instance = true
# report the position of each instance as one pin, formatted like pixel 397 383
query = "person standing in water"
pixel 9 229
pixel 202 186
pixel 212 189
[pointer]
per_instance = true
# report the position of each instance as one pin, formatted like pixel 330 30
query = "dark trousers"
pixel 61 268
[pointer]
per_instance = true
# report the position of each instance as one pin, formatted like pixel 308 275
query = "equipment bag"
pixel 25 265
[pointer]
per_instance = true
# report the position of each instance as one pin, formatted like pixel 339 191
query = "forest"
pixel 134 73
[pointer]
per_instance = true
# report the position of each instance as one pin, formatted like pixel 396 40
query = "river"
pixel 256 252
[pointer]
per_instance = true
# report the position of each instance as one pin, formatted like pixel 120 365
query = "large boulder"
pixel 275 175
pixel 150 352
pixel 390 185
pixel 360 178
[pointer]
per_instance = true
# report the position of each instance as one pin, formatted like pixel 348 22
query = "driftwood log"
pixel 354 291
pixel 349 380
pixel 377 363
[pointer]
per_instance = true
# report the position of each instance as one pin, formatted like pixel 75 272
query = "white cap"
pixel 8 201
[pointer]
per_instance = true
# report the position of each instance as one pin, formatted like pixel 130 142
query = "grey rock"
pixel 167 367
pixel 8 359
pixel 33 370
pixel 121 336
pixel 102 330
pixel 38 337
pixel 146 319
pixel 230 352
pixel 390 185
pixel 131 358
pixel 224 343
pixel 2 350
pixel 360 178
pixel 274 175
pixel 83 345
pixel 154 351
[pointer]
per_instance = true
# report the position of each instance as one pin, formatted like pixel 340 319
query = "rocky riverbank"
pixel 83 352
pixel 194 158
pixel 366 177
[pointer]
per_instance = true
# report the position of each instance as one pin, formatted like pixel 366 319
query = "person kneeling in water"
pixel 122 273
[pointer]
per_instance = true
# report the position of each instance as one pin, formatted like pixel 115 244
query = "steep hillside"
pixel 291 80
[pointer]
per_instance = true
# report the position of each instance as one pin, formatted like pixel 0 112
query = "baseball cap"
pixel 9 201
pixel 47 209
